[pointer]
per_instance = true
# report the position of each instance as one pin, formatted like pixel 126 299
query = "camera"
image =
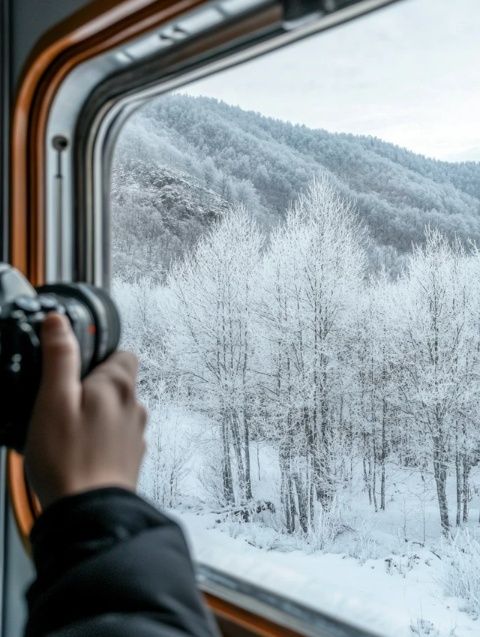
pixel 95 322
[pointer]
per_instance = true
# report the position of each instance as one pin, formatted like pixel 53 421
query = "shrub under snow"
pixel 462 575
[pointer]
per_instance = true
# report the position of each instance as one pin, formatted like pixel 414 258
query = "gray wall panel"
pixel 22 23
pixel 31 19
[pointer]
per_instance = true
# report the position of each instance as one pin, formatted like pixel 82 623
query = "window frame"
pixel 83 208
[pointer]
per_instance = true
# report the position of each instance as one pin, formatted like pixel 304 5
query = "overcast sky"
pixel 409 74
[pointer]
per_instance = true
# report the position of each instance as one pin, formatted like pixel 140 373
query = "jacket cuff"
pixel 79 526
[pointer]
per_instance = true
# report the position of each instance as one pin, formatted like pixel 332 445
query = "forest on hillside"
pixel 178 149
pixel 306 308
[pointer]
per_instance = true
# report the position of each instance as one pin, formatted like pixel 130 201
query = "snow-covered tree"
pixel 312 276
pixel 211 337
pixel 432 333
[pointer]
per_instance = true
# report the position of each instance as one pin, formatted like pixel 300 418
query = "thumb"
pixel 60 355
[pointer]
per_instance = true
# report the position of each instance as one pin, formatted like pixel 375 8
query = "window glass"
pixel 295 257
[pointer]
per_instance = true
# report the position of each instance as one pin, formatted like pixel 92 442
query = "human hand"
pixel 86 434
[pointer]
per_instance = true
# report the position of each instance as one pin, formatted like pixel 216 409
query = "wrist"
pixel 76 487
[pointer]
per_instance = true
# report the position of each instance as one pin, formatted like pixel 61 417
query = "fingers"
pixel 119 370
pixel 60 356
pixel 142 416
pixel 125 361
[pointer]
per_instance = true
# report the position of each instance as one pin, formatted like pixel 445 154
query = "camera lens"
pixel 94 318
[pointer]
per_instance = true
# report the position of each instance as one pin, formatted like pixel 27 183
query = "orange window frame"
pixel 98 27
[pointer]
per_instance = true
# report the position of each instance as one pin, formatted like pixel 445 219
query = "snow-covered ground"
pixel 399 596
pixel 386 571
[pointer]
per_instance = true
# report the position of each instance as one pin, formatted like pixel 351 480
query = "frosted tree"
pixel 466 424
pixel 143 331
pixel 432 343
pixel 312 274
pixel 210 317
pixel 170 448
pixel 371 407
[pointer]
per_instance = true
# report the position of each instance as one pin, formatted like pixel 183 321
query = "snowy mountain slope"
pixel 264 163
pixel 157 214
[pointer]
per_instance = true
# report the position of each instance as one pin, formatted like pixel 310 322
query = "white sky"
pixel 409 74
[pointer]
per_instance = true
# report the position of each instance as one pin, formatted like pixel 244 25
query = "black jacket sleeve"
pixel 109 564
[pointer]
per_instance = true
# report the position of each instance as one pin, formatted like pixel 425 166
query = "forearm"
pixel 107 556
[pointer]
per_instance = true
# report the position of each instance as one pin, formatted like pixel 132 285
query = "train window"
pixel 295 256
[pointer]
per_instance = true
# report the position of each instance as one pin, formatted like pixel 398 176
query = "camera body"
pixel 95 323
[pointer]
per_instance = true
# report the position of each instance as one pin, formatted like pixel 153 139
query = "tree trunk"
pixel 301 502
pixel 383 456
pixel 459 488
pixel 322 465
pixel 259 475
pixel 466 486
pixel 312 504
pixel 237 447
pixel 366 480
pixel 440 473
pixel 228 493
pixel 246 453
pixel 287 495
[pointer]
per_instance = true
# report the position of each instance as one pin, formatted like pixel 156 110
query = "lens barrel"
pixel 93 316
